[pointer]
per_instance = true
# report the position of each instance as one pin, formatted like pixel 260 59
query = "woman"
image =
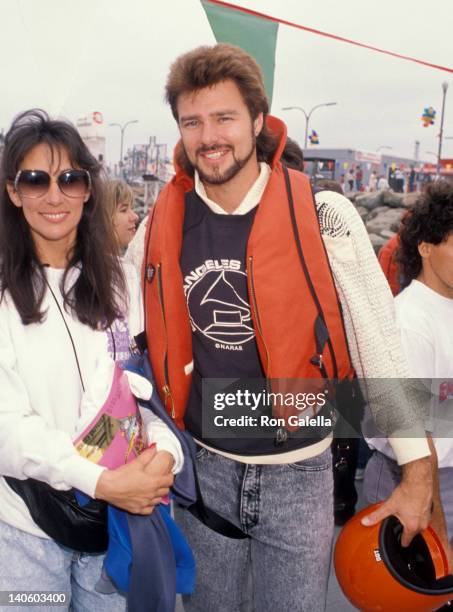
pixel 119 200
pixel 60 280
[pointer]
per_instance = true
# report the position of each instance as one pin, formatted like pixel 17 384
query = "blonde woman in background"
pixel 119 200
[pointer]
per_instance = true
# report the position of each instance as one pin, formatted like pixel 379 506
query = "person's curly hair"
pixel 430 220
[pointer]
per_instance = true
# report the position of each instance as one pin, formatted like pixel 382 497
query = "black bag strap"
pixel 320 328
pixel 321 339
pixel 198 509
pixel 74 350
pixel 211 519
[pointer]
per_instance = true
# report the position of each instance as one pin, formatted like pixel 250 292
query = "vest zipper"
pixel 166 387
pixel 255 308
pixel 281 433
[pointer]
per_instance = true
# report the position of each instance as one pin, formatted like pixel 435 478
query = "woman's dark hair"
pixel 430 220
pixel 95 296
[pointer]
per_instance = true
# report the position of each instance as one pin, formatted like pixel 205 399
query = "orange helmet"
pixel 377 574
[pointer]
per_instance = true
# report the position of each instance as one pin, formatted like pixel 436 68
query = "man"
pixel 350 179
pixel 238 286
pixel 358 178
pixel 399 180
pixel 382 184
pixel 372 181
pixel 425 315
pixel 412 180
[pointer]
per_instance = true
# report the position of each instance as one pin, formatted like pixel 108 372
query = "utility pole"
pixel 308 115
pixel 439 152
pixel 123 129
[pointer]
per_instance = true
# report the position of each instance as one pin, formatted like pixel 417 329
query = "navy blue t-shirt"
pixel 215 285
pixel 213 263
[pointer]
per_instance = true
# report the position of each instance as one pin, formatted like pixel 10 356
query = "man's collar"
pixel 251 199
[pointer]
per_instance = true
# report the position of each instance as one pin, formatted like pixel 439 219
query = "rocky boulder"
pixel 391 199
pixel 409 199
pixel 368 200
pixel 381 212
pixel 363 212
pixel 388 219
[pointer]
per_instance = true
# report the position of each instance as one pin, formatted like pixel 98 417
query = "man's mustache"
pixel 213 148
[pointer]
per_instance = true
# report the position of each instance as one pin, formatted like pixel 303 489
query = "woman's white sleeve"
pixel 163 437
pixel 29 447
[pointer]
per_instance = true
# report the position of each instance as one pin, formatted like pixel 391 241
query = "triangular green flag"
pixel 256 35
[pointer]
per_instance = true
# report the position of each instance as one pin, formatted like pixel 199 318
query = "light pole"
pixel 122 128
pixel 308 115
pixel 439 152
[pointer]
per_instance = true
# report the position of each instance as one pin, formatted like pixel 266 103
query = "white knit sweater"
pixel 371 329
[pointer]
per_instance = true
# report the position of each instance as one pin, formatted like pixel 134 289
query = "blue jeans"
pixel 288 512
pixel 382 475
pixel 29 563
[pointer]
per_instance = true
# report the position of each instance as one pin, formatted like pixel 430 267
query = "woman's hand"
pixel 136 487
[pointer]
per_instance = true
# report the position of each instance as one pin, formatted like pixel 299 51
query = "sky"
pixel 112 56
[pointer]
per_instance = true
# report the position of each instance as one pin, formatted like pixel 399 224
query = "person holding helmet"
pixel 424 313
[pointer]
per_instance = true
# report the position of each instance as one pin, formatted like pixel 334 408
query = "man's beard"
pixel 218 178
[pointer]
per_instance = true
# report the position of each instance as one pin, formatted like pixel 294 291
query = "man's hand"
pixel 411 500
pixel 136 487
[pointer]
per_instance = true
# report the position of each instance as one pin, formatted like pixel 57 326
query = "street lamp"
pixel 439 152
pixel 308 115
pixel 122 128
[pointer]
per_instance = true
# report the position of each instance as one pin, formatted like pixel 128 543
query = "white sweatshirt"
pixel 41 401
pixel 424 319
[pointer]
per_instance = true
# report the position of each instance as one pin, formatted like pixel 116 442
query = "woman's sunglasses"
pixel 36 183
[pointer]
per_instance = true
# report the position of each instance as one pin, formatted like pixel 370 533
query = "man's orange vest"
pixel 283 305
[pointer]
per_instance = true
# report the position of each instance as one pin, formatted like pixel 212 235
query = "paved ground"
pixel 336 602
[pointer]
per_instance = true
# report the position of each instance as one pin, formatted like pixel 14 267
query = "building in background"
pixel 92 130
pixel 333 163
pixel 147 169
pixel 151 158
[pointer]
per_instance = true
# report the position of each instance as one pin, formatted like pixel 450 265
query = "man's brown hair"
pixel 207 66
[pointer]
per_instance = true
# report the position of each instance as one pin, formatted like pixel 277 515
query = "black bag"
pixel 61 517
